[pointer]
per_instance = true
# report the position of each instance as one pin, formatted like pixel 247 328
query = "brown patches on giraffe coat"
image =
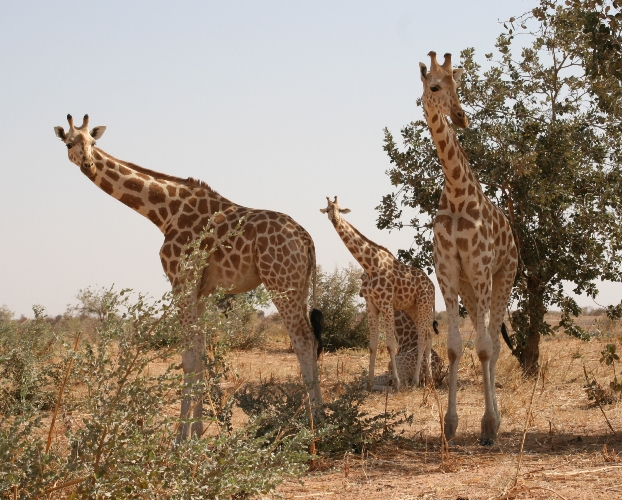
pixel 451 153
pixel 445 243
pixel 174 206
pixel 132 201
pixel 163 213
pixel 463 244
pixel 97 155
pixel 442 144
pixel 144 177
pixel 443 203
pixel 184 193
pixel 219 218
pixel 123 170
pixel 156 193
pixel 112 165
pixel 471 188
pixel 472 210
pixel 187 220
pixel 465 224
pixel 111 173
pixel 446 221
pixel 172 190
pixel 134 185
pixel 455 173
pixel 152 215
pixel 203 207
pixel 106 186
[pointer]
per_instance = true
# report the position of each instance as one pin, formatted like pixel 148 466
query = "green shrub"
pixel 27 368
pixel 345 321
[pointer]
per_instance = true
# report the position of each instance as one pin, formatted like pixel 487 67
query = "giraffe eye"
pixel 435 88
pixel 69 146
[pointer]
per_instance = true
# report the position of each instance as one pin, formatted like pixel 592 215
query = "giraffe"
pixel 390 286
pixel 267 247
pixel 474 252
pixel 406 336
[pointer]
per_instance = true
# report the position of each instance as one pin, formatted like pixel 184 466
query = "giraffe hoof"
pixel 486 442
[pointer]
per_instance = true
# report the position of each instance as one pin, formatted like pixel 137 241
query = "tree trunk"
pixel 528 351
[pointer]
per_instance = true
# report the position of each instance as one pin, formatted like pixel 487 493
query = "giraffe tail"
pixel 506 337
pixel 317 322
pixel 435 326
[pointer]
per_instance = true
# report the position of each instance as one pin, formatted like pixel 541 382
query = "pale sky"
pixel 275 104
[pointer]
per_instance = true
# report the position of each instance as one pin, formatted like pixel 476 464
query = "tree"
pixel 345 322
pixel 546 148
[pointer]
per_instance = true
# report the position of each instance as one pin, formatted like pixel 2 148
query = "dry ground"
pixel 570 450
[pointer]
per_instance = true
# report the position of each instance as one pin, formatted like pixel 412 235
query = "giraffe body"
pixel 388 286
pixel 474 251
pixel 265 247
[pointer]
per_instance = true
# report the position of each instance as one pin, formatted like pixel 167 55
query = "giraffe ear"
pixel 60 133
pixel 324 210
pixel 458 72
pixel 97 132
pixel 423 69
pixel 345 210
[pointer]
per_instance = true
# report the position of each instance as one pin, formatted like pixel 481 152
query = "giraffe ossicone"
pixel 475 256
pixel 388 286
pixel 262 246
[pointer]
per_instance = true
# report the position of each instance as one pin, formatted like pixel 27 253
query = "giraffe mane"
pixel 189 181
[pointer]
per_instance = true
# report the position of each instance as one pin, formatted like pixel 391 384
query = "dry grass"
pixel 569 450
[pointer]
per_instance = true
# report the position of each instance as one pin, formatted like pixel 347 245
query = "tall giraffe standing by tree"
pixel 388 286
pixel 474 252
pixel 262 246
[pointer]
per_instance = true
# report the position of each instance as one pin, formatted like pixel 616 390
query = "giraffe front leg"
pixel 484 349
pixel 193 364
pixel 372 318
pixel 447 272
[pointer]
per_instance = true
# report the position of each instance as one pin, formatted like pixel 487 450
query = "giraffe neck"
pixel 460 183
pixel 161 198
pixel 367 253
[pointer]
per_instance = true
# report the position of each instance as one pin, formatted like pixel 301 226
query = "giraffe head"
pixel 80 142
pixel 439 89
pixel 334 211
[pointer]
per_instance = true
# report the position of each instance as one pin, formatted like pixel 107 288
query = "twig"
pixel 60 394
pixel 444 442
pixel 606 419
pixel 522 444
pixel 62 486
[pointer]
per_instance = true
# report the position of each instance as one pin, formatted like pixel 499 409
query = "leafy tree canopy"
pixel 545 142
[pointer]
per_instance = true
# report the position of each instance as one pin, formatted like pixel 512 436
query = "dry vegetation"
pixel 572 449
pixel 572 445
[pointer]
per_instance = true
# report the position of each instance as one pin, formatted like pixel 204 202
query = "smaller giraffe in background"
pixel 390 286
pixel 406 358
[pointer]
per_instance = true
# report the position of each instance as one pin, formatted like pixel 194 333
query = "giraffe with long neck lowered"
pixel 262 247
pixel 474 251
pixel 388 286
